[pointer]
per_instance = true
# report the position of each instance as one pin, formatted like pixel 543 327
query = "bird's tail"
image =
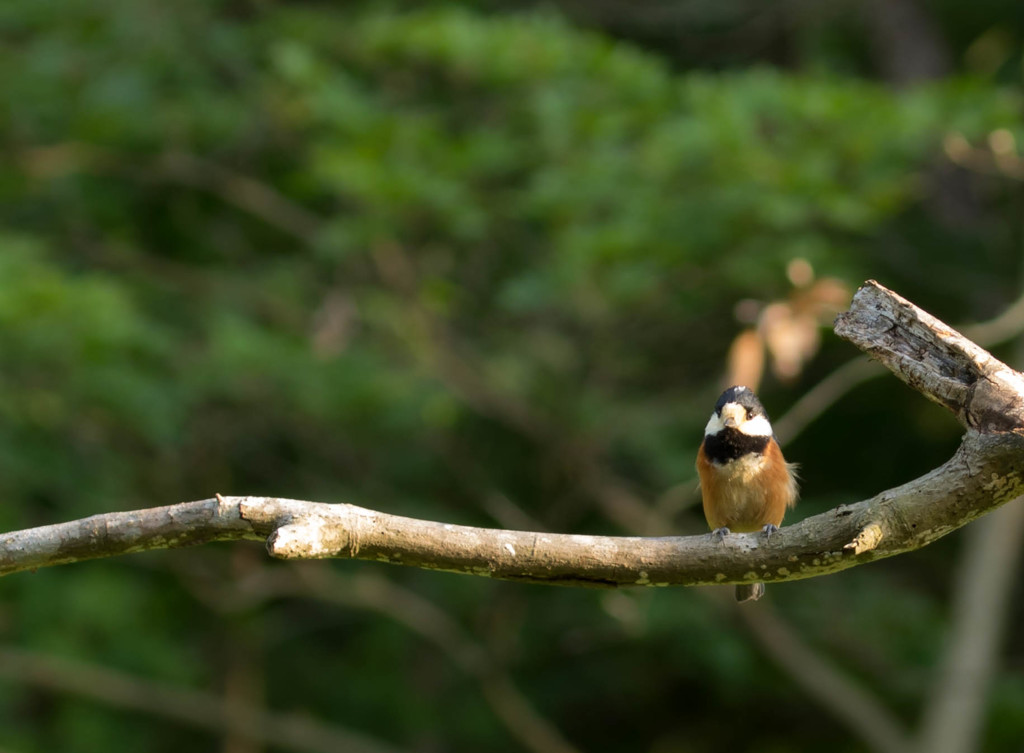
pixel 749 591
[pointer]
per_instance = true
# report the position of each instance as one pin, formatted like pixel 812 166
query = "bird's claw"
pixel 720 533
pixel 768 530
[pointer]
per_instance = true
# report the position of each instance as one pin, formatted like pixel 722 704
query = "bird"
pixel 745 482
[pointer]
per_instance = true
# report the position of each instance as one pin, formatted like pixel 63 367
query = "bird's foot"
pixel 720 533
pixel 768 530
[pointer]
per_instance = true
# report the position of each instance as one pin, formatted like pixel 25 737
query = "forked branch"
pixel 986 396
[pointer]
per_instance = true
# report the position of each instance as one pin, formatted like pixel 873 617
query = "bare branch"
pixel 241 191
pixel 197 708
pixel 868 539
pixel 847 700
pixel 823 395
pixel 369 591
pixel 985 473
pixel 953 719
pixel 810 406
pixel 982 605
pixel 111 534
pixel 931 357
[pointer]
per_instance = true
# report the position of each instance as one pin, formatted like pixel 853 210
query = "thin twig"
pixel 823 396
pixel 370 591
pixel 981 605
pixel 846 700
pixel 237 189
pixel 196 708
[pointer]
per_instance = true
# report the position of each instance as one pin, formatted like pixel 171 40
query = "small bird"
pixel 745 482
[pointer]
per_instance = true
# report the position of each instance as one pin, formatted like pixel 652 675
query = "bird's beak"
pixel 733 415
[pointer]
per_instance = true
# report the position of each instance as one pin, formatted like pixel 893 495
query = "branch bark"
pixel 985 473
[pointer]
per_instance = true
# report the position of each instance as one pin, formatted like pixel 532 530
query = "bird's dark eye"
pixel 750 413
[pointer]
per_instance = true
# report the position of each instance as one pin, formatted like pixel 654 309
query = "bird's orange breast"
pixel 748 493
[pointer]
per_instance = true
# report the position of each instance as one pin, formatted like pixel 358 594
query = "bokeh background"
pixel 490 263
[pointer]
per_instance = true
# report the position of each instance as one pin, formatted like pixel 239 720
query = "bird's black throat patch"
pixel 730 444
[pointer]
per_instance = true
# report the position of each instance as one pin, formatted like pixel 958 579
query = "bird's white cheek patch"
pixel 715 424
pixel 756 427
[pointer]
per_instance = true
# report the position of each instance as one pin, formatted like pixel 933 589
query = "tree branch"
pixel 367 591
pixel 984 393
pixel 289 731
pixel 986 472
pixel 846 699
pixel 954 716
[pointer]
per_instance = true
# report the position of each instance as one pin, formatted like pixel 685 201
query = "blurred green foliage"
pixel 449 264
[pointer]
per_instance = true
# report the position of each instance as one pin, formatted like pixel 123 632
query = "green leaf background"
pixel 464 263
